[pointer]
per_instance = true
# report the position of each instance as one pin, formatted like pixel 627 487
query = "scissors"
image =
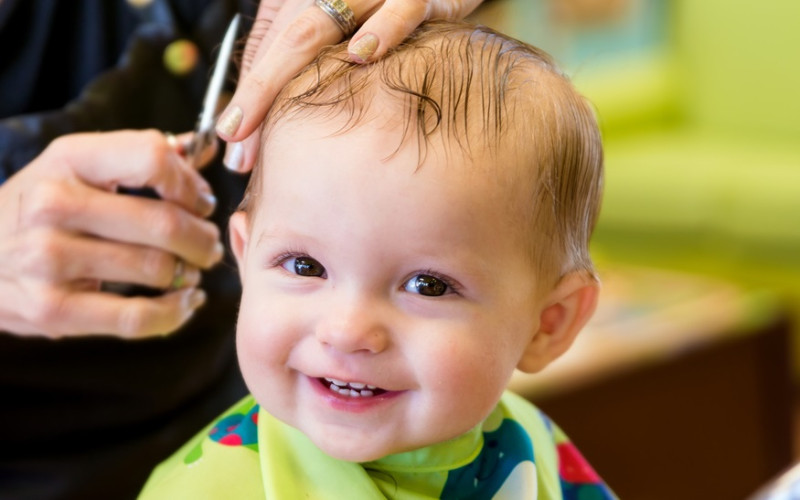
pixel 204 134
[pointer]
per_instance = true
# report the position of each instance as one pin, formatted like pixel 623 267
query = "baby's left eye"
pixel 425 284
pixel 304 265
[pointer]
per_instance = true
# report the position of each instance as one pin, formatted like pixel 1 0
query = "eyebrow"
pixel 264 236
pixel 284 233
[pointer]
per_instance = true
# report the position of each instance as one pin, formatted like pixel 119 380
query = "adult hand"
pixel 288 34
pixel 64 229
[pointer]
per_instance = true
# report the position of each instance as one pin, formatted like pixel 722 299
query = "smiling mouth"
pixel 351 389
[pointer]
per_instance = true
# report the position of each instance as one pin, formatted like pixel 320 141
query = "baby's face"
pixel 385 304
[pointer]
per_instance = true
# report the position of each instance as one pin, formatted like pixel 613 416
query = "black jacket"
pixel 90 417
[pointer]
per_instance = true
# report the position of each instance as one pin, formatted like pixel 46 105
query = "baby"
pixel 415 230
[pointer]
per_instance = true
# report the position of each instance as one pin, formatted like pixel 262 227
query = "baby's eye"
pixel 304 266
pixel 425 284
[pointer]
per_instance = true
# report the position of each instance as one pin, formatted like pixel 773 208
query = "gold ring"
pixel 341 13
pixel 178 279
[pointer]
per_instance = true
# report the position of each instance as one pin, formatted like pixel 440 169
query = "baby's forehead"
pixel 379 145
pixel 308 168
pixel 467 142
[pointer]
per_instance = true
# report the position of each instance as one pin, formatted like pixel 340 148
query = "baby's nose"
pixel 353 327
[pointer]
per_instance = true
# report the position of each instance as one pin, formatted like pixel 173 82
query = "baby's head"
pixel 414 230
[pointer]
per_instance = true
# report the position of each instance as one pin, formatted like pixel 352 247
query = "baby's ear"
pixel 238 229
pixel 567 310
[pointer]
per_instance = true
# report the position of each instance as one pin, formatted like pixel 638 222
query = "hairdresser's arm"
pixel 64 229
pixel 288 34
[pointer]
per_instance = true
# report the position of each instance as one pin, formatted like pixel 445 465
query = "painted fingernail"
pixel 197 298
pixel 230 121
pixel 234 155
pixel 206 202
pixel 363 48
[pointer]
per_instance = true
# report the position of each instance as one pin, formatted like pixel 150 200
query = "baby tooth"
pixel 354 394
pixel 371 387
pixel 338 382
pixel 366 394
pixel 356 385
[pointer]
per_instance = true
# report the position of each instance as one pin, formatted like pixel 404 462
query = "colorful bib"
pixel 516 453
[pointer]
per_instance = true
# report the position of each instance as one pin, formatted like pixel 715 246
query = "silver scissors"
pixel 204 133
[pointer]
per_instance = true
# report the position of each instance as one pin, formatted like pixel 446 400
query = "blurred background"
pixel 685 384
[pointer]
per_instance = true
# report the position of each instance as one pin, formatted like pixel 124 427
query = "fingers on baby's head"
pixel 448 77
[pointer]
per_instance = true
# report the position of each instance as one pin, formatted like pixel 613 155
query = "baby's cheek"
pixel 468 375
pixel 250 349
pixel 459 394
pixel 257 338
pixel 260 360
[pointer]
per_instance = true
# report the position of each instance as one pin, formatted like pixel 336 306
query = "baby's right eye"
pixel 304 266
pixel 425 284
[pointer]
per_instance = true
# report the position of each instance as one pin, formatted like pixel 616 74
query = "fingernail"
pixel 219 252
pixel 197 298
pixel 206 203
pixel 191 276
pixel 234 156
pixel 363 48
pixel 230 121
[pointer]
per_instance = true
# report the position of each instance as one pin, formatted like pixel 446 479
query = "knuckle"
pixel 430 9
pixel 60 146
pixel 166 223
pixel 407 19
pixel 47 202
pixel 257 84
pixel 42 255
pixel 132 319
pixel 46 310
pixel 157 266
pixel 303 31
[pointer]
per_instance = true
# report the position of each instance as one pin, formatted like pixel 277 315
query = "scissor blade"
pixel 206 121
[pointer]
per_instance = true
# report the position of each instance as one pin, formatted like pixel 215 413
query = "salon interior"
pixel 685 384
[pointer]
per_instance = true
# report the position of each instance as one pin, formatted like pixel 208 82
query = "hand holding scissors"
pixel 64 230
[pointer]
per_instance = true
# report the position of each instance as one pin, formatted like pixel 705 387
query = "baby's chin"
pixel 356 450
pixel 365 446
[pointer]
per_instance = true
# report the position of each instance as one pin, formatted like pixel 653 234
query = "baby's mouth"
pixel 351 389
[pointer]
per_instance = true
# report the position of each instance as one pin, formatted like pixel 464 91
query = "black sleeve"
pixel 90 417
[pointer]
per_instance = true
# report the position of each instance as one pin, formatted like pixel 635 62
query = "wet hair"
pixel 482 92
